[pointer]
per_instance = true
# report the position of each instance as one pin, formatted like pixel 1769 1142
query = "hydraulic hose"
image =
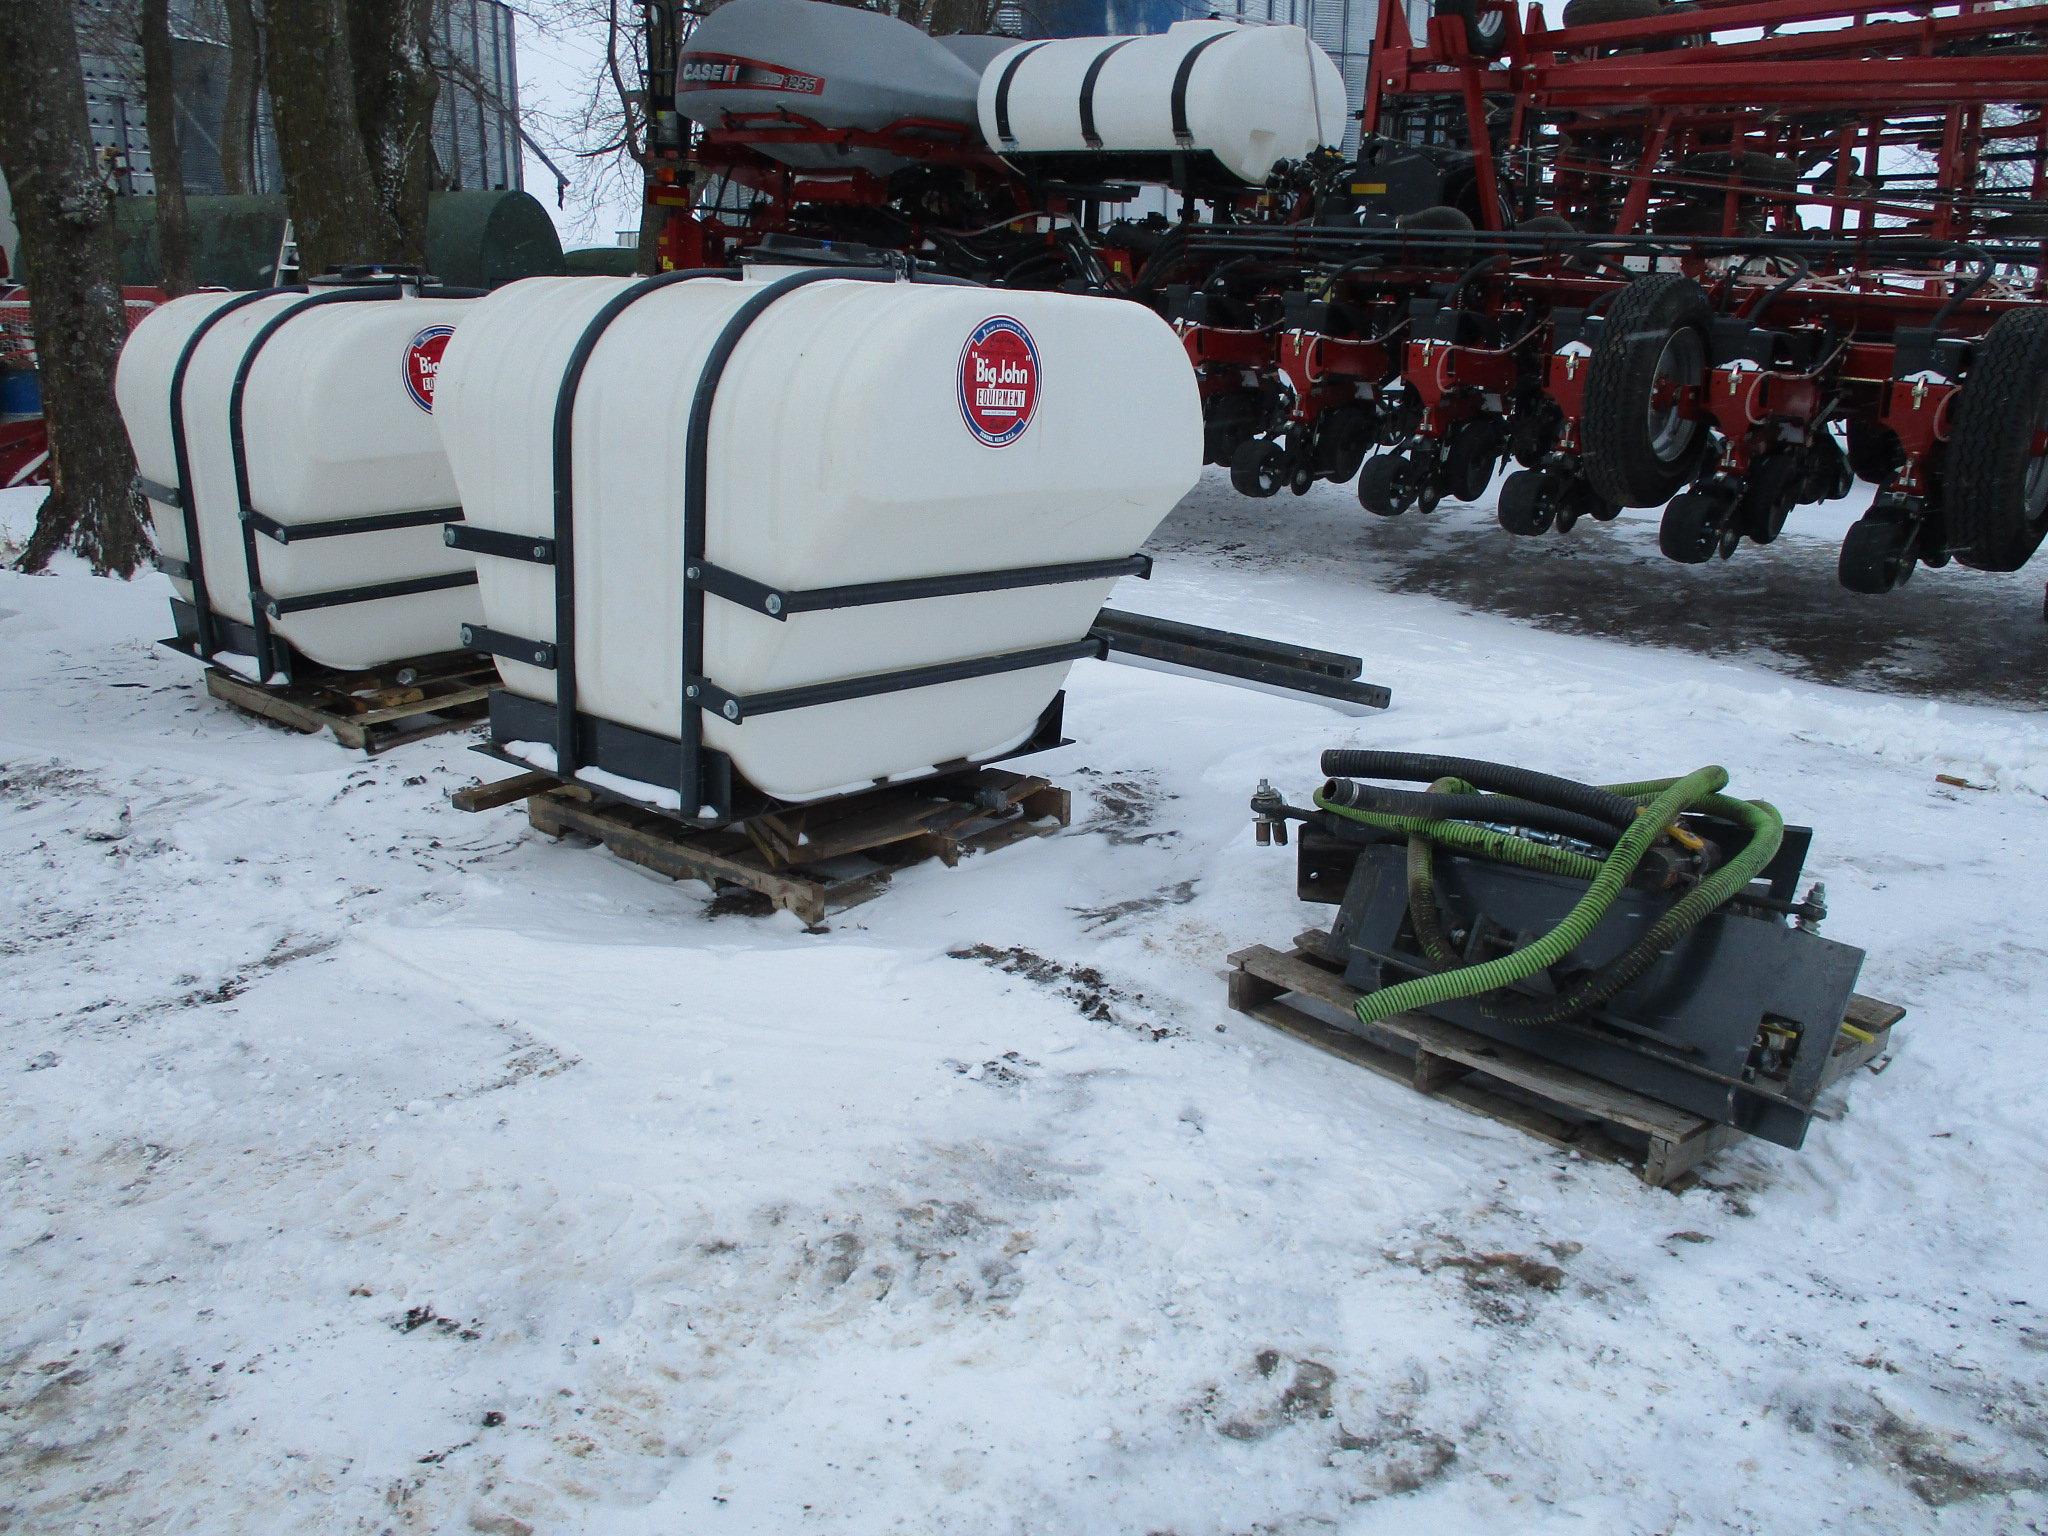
pixel 1485 842
pixel 1652 810
pixel 1767 829
pixel 1452 805
pixel 1424 767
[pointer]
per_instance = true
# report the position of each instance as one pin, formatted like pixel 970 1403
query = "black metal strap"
pixel 154 490
pixel 564 486
pixel 1088 134
pixel 1183 135
pixel 263 609
pixel 535 653
pixel 737 707
pixel 779 603
pixel 696 478
pixel 277 607
pixel 1003 135
pixel 172 566
pixel 342 527
pixel 203 620
pixel 536 549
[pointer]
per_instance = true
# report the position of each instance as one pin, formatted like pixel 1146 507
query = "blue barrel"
pixel 21 395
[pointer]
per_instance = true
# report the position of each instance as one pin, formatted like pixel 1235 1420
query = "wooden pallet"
pixel 369 711
pixel 811 860
pixel 1564 1107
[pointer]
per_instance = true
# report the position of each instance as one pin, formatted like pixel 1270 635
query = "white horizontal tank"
pixel 861 432
pixel 1250 96
pixel 337 421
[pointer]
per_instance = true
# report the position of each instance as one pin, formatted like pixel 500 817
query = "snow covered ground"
pixel 369 1166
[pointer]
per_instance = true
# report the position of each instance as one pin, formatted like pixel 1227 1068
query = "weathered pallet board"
pixel 812 861
pixel 1554 1103
pixel 370 713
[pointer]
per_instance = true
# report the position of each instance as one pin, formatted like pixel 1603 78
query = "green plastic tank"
pixel 474 240
pixel 601 261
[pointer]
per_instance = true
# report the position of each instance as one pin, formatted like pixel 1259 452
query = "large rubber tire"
pixel 1632 457
pixel 1995 493
pixel 1547 224
pixel 1751 168
pixel 1594 13
pixel 1440 220
pixel 1486 27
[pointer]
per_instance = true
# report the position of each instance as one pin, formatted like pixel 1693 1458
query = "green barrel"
pixel 474 240
pixel 234 241
pixel 485 239
pixel 601 261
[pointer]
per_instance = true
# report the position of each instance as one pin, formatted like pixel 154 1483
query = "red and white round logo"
pixel 998 381
pixel 423 363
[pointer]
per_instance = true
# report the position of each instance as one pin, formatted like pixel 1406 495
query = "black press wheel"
pixel 1641 446
pixel 1877 554
pixel 1390 483
pixel 1995 496
pixel 1344 436
pixel 1471 456
pixel 1691 531
pixel 1258 468
pixel 1525 505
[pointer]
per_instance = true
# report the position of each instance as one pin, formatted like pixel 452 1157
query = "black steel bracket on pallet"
pixel 207 627
pixel 1266 664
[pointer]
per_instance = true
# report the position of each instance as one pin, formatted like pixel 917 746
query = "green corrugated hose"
pixel 1663 802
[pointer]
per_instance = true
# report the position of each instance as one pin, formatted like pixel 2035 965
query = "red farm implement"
pixel 1723 257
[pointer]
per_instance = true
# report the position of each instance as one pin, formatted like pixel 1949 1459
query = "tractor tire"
pixel 1874 451
pixel 1547 224
pixel 2017 226
pixel 1995 495
pixel 1445 221
pixel 1638 454
pixel 1595 13
pixel 1750 168
pixel 1486 27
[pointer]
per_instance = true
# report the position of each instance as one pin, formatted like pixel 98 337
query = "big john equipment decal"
pixel 998 381
pixel 730 72
pixel 423 364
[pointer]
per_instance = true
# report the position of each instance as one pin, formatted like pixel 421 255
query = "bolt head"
pixel 690 692
pixel 468 635
pixel 540 551
pixel 774 603
pixel 731 710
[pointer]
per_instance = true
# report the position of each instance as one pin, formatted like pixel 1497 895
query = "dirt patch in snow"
pixel 1082 985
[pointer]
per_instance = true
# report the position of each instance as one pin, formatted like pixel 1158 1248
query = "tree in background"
pixel 336 214
pixel 67 251
pixel 395 87
pixel 166 163
pixel 245 79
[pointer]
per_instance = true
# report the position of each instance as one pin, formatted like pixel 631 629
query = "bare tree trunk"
pixel 67 250
pixel 238 117
pixel 395 89
pixel 166 163
pixel 336 215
